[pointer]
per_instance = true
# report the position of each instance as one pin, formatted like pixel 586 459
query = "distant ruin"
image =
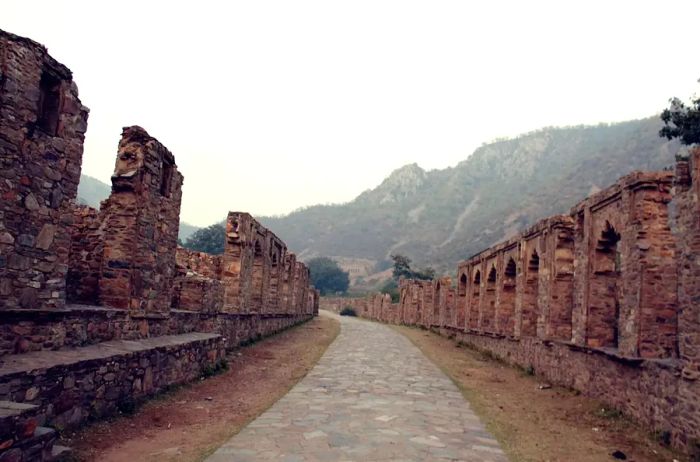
pixel 605 300
pixel 102 308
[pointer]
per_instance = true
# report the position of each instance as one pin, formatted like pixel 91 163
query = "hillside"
pixel 441 216
pixel 92 191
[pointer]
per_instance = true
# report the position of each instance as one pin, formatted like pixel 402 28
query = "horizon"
pixel 323 101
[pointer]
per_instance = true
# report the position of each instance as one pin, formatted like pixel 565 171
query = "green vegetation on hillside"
pixel 210 240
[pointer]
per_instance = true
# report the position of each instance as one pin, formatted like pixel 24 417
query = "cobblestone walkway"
pixel 372 396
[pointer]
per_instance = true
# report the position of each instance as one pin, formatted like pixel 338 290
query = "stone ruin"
pixel 604 300
pixel 101 308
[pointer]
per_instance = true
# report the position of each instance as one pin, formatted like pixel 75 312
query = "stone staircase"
pixel 23 440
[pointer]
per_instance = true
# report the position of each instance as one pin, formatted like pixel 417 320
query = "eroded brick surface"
pixel 42 128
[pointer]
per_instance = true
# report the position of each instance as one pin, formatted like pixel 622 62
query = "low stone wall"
pixel 99 380
pixel 25 331
pixel 642 388
pixel 198 293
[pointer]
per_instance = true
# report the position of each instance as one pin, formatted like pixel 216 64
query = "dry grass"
pixel 533 424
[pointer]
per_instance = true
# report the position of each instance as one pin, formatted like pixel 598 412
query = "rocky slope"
pixel 441 216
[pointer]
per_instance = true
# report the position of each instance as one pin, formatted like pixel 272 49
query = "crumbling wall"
pixel 625 293
pixel 237 261
pixel 288 281
pixel 85 258
pixel 603 300
pixel 277 253
pixel 141 220
pixel 687 231
pixel 73 278
pixel 42 128
pixel 202 263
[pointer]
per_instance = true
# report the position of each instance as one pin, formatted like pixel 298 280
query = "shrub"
pixel 210 370
pixel 348 311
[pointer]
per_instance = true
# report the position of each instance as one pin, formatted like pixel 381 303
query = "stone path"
pixel 372 396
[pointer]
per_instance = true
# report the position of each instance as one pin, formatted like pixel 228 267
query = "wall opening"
pixel 530 304
pixel 462 289
pixel 256 295
pixel 474 302
pixel 437 305
pixel 506 305
pixel 562 290
pixel 49 104
pixel 166 178
pixel 488 321
pixel 604 287
pixel 461 302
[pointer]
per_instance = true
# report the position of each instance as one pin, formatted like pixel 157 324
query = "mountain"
pixel 92 191
pixel 439 217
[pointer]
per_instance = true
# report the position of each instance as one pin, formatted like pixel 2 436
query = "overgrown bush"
pixel 217 368
pixel 348 311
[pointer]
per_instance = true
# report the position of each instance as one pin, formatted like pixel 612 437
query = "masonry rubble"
pixel 603 300
pixel 106 286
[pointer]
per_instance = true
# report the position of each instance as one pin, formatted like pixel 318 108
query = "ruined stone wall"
pixel 70 390
pixel 276 255
pixel 687 230
pixel 130 313
pixel 288 280
pixel 80 325
pixel 141 220
pixel 42 128
pixel 237 261
pixel 626 295
pixel 85 261
pixel 201 263
pixel 197 284
pixel 603 300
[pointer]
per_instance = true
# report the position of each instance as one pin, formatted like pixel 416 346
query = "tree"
pixel 402 268
pixel 210 240
pixel 682 121
pixel 327 276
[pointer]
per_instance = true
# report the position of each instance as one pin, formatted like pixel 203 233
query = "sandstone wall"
pixel 142 218
pixel 603 300
pixel 687 230
pixel 130 312
pixel 76 267
pixel 85 260
pixel 70 390
pixel 42 127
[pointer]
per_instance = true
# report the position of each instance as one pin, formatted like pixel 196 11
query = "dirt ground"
pixel 191 422
pixel 533 424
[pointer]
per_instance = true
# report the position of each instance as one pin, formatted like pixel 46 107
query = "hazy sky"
pixel 270 106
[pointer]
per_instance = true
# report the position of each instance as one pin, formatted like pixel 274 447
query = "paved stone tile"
pixel 372 396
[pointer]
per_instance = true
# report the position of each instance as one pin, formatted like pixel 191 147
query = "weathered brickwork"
pixel 68 390
pixel 141 222
pixel 86 250
pixel 106 287
pixel 687 204
pixel 605 300
pixel 42 128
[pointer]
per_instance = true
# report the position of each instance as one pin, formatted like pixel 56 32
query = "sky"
pixel 269 106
